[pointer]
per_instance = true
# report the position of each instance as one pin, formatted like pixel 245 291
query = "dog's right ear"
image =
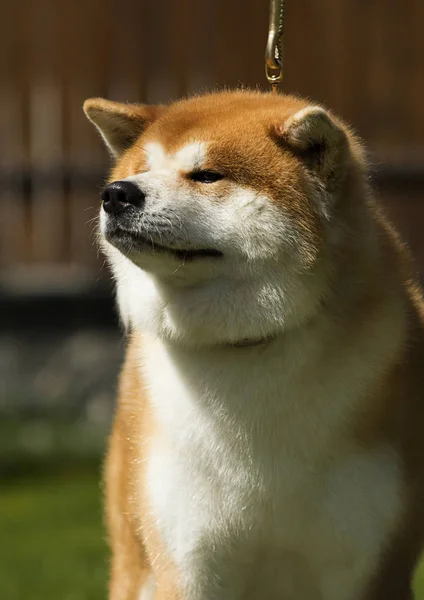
pixel 119 124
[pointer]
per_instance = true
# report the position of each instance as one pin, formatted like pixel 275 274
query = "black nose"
pixel 119 195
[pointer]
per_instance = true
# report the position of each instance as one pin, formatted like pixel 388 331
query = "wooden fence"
pixel 364 58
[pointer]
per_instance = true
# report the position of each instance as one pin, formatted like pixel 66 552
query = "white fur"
pixel 256 467
pixel 188 158
pixel 148 589
pixel 258 493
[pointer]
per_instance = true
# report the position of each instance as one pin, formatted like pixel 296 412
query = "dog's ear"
pixel 119 124
pixel 318 139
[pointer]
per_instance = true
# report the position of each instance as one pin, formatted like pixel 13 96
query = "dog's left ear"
pixel 318 140
pixel 119 124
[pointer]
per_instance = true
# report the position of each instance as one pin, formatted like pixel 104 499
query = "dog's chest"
pixel 251 477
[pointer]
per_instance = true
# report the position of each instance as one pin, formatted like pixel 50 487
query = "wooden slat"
pixel 412 69
pixel 13 158
pixel 162 84
pixel 85 66
pixel 194 60
pixel 128 54
pixel 45 142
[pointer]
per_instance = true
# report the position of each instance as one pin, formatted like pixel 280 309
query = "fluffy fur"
pixel 268 437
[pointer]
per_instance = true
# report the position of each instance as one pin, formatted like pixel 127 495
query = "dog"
pixel 268 440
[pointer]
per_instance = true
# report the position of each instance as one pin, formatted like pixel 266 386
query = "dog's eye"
pixel 205 176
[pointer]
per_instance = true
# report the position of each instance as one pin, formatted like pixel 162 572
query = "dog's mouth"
pixel 130 241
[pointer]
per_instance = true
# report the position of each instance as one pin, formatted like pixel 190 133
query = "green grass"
pixel 419 583
pixel 52 540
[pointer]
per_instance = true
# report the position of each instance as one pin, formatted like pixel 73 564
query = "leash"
pixel 274 46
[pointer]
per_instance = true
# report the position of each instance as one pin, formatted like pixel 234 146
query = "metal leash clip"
pixel 274 47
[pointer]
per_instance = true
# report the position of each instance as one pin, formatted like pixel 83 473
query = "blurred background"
pixel 60 343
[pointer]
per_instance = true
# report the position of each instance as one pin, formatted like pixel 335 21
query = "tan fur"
pixel 133 538
pixel 257 143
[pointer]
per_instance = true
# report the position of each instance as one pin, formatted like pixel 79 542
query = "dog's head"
pixel 221 209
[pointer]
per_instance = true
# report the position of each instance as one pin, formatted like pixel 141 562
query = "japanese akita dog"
pixel 268 442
